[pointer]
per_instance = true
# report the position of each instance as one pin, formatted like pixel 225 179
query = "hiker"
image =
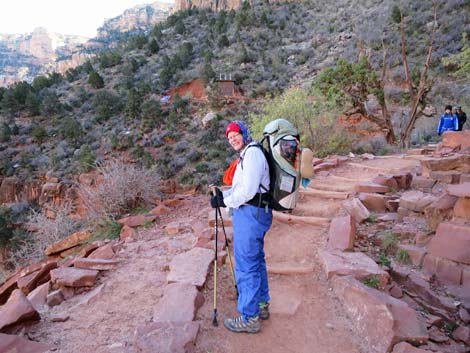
pixel 448 121
pixel 461 117
pixel 250 224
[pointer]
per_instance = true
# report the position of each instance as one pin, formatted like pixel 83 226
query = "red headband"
pixel 232 127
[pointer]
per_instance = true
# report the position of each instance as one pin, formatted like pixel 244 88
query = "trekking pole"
pixel 216 231
pixel 228 251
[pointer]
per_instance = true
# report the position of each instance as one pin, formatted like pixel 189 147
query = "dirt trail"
pixel 305 316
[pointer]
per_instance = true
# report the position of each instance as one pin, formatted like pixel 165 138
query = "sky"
pixel 78 17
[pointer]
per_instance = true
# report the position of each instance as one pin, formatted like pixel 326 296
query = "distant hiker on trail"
pixel 461 117
pixel 448 121
pixel 250 224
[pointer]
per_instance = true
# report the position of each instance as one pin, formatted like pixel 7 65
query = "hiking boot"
pixel 237 324
pixel 264 311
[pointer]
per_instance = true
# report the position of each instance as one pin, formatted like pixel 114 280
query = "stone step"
pixel 326 185
pixel 95 264
pixel 325 194
pixel 285 268
pixel 73 277
pixel 191 267
pixel 310 220
pixel 180 302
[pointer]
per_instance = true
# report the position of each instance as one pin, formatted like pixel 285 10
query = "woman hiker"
pixel 250 225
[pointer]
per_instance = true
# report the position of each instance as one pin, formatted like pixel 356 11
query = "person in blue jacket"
pixel 250 225
pixel 448 121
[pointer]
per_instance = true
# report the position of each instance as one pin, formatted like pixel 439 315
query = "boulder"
pixel 127 232
pixel 342 233
pixel 459 163
pixel 462 208
pixel 459 190
pixel 95 264
pixel 73 277
pixel 167 337
pixel 423 184
pixel 415 200
pixel 462 334
pixel 445 176
pixel 31 281
pixel 386 180
pixel 55 298
pixel 38 297
pixel 446 271
pixel 105 252
pixel 172 228
pixel 356 209
pixel 371 188
pixel 355 264
pixel 160 210
pixel 456 139
pixel 17 309
pixel 442 209
pixel 403 180
pixel 137 221
pixel 374 202
pixel 17 344
pixel 404 347
pixel 191 267
pixel 180 302
pixel 69 242
pixel 380 320
pixel 451 242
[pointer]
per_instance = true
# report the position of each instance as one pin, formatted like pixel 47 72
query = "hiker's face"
pixel 236 140
pixel 448 111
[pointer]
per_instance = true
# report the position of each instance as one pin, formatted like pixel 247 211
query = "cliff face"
pixel 25 56
pixel 216 5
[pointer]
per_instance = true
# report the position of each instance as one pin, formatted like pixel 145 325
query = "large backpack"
pixel 281 146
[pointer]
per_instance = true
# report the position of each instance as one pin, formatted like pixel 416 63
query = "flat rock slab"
pixel 451 242
pixel 191 267
pixel 31 281
pixel 416 200
pixel 95 264
pixel 137 221
pixel 355 264
pixel 404 347
pixel 371 188
pixel 167 337
pixel 69 242
pixel 342 233
pixel 17 344
pixel 17 309
pixel 379 319
pixel 104 252
pixel 73 277
pixel 180 302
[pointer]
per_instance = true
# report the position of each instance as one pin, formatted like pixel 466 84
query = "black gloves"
pixel 217 200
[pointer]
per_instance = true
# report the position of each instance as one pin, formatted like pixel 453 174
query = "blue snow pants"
pixel 249 227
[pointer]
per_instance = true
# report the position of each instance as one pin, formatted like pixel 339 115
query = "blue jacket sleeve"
pixel 456 123
pixel 439 127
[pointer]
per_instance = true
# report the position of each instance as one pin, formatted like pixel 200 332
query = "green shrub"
pixel 39 134
pixel 372 282
pixel 70 129
pixel 95 80
pixel 388 240
pixel 384 260
pixel 86 158
pixel 107 229
pixel 403 256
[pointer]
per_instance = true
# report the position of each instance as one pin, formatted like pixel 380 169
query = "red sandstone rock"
pixel 403 180
pixel 459 190
pixel 462 208
pixel 462 334
pixel 95 264
pixel 342 233
pixel 105 252
pixel 456 139
pixel 371 188
pixel 437 335
pixel 172 228
pixel 17 309
pixel 386 180
pixel 69 242
pixel 180 302
pixel 127 232
pixel 167 337
pixel 442 209
pixel 415 200
pixel 173 202
pixel 446 271
pixel 17 344
pixel 38 297
pixel 458 163
pixel 422 183
pixel 445 176
pixel 160 210
pixel 357 265
pixel 451 242
pixel 356 209
pixel 404 347
pixel 464 315
pixel 55 298
pixel 226 218
pixel 73 277
pixel 416 253
pixel 136 221
pixel 324 166
pixel 31 281
pixel 374 202
pixel 191 267
pixel 380 320
pixel 392 205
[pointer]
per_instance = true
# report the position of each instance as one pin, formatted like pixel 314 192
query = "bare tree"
pixel 418 94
